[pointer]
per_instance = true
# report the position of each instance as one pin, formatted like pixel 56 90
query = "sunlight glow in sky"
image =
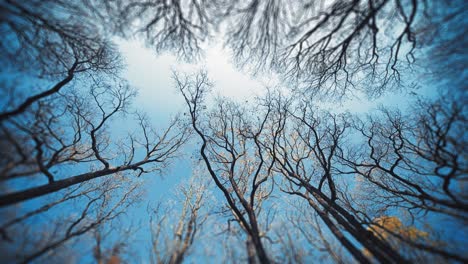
pixel 151 75
pixel 343 114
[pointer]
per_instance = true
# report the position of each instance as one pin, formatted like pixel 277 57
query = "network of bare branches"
pixel 105 201
pixel 411 161
pixel 233 157
pixel 293 182
pixel 61 95
pixel 174 245
pixel 324 48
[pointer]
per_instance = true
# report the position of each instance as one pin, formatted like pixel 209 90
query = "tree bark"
pixel 16 197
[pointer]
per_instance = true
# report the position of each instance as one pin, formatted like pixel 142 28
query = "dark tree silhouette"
pixel 104 201
pixel 50 40
pixel 305 146
pixel 314 152
pixel 61 94
pixel 333 48
pixel 233 156
pixel 179 26
pixel 327 48
pixel 418 158
pixel 348 176
pixel 45 146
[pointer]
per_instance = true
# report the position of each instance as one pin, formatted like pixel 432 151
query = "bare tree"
pixel 179 26
pixel 417 158
pixel 314 151
pixel 308 147
pixel 10 222
pixel 233 157
pixel 414 162
pixel 334 47
pixel 399 161
pixel 327 48
pixel 62 94
pixel 45 146
pixel 305 151
pixel 50 43
pixel 56 140
pixel 103 201
pixel 173 245
pixel 303 238
pixel 256 31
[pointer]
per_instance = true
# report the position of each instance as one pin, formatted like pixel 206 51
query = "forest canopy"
pixel 89 175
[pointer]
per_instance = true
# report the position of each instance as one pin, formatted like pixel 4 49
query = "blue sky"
pixel 151 74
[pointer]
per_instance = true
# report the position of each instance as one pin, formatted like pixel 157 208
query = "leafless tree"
pixel 313 151
pixel 399 162
pixel 256 31
pixel 328 48
pixel 72 131
pixel 417 158
pixel 62 94
pixel 232 154
pixel 414 162
pixel 173 245
pixel 48 43
pixel 179 26
pixel 68 196
pixel 333 47
pixel 305 151
pixel 308 147
pixel 303 238
pixel 104 201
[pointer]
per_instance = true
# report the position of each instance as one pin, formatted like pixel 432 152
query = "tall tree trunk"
pixel 16 197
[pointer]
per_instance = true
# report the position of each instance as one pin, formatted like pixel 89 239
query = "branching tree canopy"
pixel 416 157
pixel 328 48
pixel 278 178
pixel 234 159
pixel 312 152
pixel 174 246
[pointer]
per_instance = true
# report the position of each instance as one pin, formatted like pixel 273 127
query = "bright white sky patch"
pixel 151 74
